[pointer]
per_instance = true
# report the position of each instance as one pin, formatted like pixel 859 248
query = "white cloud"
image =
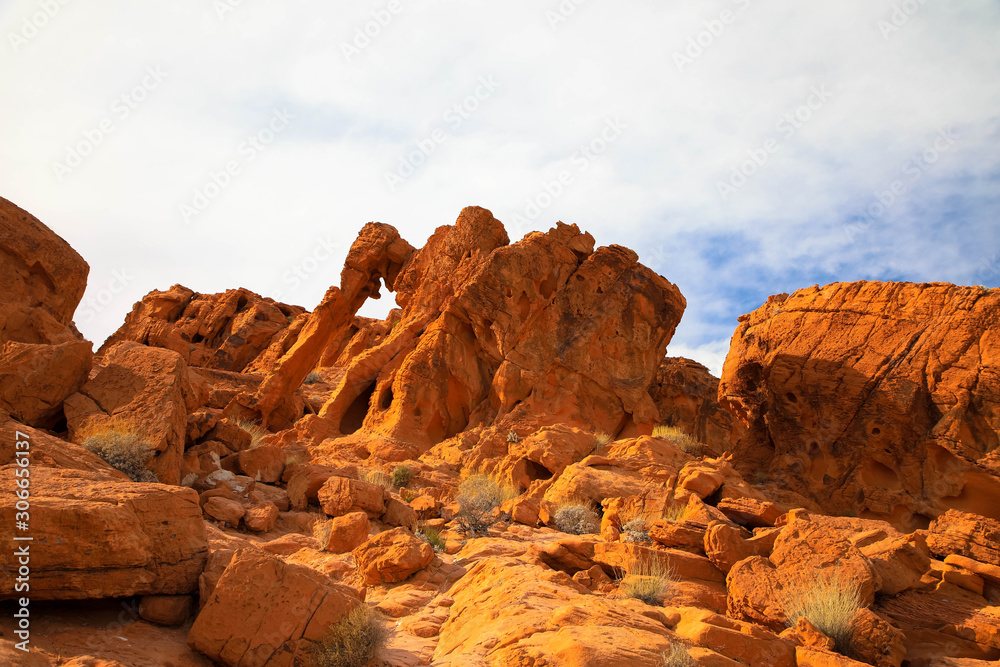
pixel 654 188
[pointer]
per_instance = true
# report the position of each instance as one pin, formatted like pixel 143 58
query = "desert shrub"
pixel 677 656
pixel 829 604
pixel 256 431
pixel 636 530
pixel 376 477
pixel 353 641
pixel 313 378
pixel 401 475
pixel 512 436
pixel 601 440
pixel 648 580
pixel 577 520
pixel 676 436
pixel 321 531
pixel 431 536
pixel 478 495
pixel 408 495
pixel 121 446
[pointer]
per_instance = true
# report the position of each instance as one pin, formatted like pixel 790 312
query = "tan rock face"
pixel 873 398
pixel 347 533
pixel 227 331
pixel 265 611
pixel 687 396
pixel 43 280
pixel 966 534
pixel 340 495
pixel 104 539
pixel 150 388
pixel 392 556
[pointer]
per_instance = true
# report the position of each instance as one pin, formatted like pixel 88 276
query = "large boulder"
pixel 43 280
pixel 264 611
pixel 146 387
pixel 878 399
pixel 392 556
pixel 36 378
pixel 226 331
pixel 95 538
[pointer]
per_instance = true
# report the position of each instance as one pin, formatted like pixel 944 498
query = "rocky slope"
pixel 311 464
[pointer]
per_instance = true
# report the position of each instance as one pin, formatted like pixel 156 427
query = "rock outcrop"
pixel 879 399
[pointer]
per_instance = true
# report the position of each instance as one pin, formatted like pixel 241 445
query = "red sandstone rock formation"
pixel 873 398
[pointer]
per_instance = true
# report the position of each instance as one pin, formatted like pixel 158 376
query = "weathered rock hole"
pixel 792 398
pixel 876 430
pixel 548 286
pixel 355 415
pixel 536 471
pixel 385 400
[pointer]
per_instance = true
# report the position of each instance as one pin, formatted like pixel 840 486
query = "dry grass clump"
pixel 402 475
pixel 636 530
pixel 830 605
pixel 376 477
pixel 512 436
pixel 353 641
pixel 312 378
pixel 601 440
pixel 676 436
pixel 256 431
pixel 577 519
pixel 121 444
pixel 649 580
pixel 675 513
pixel 431 536
pixel 677 656
pixel 478 495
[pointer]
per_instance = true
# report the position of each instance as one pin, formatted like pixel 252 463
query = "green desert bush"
pixel 577 519
pixel 121 446
pixel 829 604
pixel 478 496
pixel 677 656
pixel 256 431
pixel 353 641
pixel 649 580
pixel 431 536
pixel 401 475
pixel 676 436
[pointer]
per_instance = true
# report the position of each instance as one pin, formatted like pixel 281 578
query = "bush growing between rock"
pixel 512 436
pixel 636 531
pixel 830 605
pixel 256 431
pixel 677 656
pixel 577 520
pixel 675 513
pixel 601 440
pixel 647 580
pixel 312 378
pixel 478 496
pixel 121 446
pixel 431 536
pixel 377 477
pixel 676 436
pixel 353 641
pixel 402 475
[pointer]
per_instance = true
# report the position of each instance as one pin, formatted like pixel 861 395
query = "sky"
pixel 742 148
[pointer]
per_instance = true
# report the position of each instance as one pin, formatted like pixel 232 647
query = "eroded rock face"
pixel 150 388
pixel 226 331
pixel 96 538
pixel 879 399
pixel 43 280
pixel 35 379
pixel 687 396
